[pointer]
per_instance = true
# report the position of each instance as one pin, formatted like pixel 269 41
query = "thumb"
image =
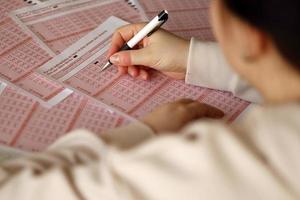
pixel 132 57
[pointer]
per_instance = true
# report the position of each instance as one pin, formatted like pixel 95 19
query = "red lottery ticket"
pixel 8 5
pixel 26 125
pixel 55 26
pixel 19 57
pixel 188 18
pixel 79 68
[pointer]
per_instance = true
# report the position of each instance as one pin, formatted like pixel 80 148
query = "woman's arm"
pixel 82 165
pixel 206 161
pixel 207 67
pixel 202 63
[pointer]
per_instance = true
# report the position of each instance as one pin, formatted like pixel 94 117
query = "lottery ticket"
pixel 79 68
pixel 19 56
pixel 26 125
pixel 8 5
pixel 56 25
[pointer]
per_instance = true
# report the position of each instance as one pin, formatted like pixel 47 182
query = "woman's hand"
pixel 162 51
pixel 174 116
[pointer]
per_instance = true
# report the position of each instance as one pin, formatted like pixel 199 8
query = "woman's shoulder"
pixel 273 125
pixel 275 132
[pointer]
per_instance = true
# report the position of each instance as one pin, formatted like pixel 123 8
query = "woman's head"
pixel 261 40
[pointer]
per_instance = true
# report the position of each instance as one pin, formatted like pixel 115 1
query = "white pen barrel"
pixel 144 32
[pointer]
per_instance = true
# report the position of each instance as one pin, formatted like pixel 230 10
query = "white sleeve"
pixel 76 166
pixel 207 67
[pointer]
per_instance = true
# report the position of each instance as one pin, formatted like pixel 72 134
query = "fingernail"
pixel 145 77
pixel 115 59
pixel 130 72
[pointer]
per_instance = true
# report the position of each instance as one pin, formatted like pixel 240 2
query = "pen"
pixel 149 29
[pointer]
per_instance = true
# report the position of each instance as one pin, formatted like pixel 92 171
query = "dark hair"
pixel 278 18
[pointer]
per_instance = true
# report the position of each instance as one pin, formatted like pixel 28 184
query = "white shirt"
pixel 257 158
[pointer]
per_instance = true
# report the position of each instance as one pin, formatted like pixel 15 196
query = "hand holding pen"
pixel 162 51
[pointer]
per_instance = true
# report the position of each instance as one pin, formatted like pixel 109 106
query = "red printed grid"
pixel 181 22
pixel 74 61
pixel 225 101
pixel 22 60
pixel 39 87
pixel 62 7
pixel 192 20
pixel 8 5
pixel 63 26
pixel 204 34
pixel 97 119
pixel 10 36
pixel 17 63
pixel 15 110
pixel 77 24
pixel 128 93
pixel 29 126
pixel 188 18
pixel 172 91
pixel 45 126
pixel 173 5
pixel 59 45
pixel 91 80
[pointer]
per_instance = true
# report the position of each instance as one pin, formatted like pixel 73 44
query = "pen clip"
pixel 163 17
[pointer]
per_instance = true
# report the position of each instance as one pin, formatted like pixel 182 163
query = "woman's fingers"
pixel 123 70
pixel 181 112
pixel 116 44
pixel 159 52
pixel 144 75
pixel 200 110
pixel 122 35
pixel 142 56
pixel 133 71
pixel 185 101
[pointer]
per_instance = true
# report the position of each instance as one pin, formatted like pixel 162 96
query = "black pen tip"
pixel 163 15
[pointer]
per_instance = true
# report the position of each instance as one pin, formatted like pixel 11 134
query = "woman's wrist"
pixel 177 68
